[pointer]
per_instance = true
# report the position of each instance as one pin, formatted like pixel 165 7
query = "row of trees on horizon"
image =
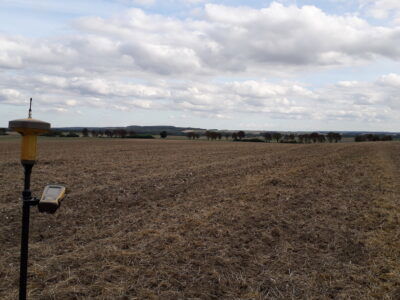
pixel 373 138
pixel 271 136
pixel 314 137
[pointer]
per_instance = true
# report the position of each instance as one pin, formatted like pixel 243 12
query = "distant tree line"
pixel 3 131
pixel 278 137
pixel 191 135
pixel 57 133
pixel 306 138
pixel 118 133
pixel 268 137
pixel 372 138
pixel 215 135
pixel 107 133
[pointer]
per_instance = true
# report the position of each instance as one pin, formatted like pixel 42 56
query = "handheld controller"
pixel 51 198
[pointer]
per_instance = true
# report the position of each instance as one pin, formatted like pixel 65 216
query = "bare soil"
pixel 154 219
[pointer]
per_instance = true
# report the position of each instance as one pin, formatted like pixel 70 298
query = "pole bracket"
pixel 28 199
pixel 33 201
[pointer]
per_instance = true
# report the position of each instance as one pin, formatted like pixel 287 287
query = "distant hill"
pixel 173 130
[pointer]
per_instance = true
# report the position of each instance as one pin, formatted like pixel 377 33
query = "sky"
pixel 250 65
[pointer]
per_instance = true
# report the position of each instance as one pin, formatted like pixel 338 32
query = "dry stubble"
pixel 209 220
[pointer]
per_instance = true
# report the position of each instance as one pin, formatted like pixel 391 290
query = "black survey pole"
pixel 26 203
pixel 29 129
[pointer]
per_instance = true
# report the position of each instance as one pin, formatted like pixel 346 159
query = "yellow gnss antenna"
pixel 29 129
pixel 50 201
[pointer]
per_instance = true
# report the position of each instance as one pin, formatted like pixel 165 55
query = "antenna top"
pixel 30 109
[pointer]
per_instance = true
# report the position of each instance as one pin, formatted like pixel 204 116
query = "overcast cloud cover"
pixel 281 65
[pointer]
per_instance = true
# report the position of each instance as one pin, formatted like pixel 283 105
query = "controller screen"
pixel 53 192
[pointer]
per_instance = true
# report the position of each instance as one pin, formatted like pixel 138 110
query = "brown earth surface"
pixel 154 219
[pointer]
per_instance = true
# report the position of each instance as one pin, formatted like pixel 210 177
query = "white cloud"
pixel 228 40
pixel 376 101
pixel 390 80
pixel 382 9
pixel 10 96
pixel 71 102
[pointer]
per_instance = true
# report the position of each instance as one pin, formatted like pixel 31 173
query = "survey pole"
pixel 29 129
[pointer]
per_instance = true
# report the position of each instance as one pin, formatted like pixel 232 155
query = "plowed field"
pixel 155 219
